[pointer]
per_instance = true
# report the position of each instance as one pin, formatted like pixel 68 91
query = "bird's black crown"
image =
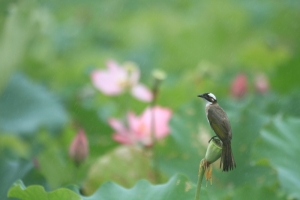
pixel 208 97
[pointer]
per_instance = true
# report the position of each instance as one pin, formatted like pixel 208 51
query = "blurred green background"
pixel 49 48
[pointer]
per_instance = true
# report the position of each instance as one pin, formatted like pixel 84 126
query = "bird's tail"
pixel 227 159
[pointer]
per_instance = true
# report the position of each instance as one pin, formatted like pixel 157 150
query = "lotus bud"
pixel 213 151
pixel 239 86
pixel 79 148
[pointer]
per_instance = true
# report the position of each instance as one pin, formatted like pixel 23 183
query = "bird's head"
pixel 209 97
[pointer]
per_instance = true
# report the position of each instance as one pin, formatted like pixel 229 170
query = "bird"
pixel 220 124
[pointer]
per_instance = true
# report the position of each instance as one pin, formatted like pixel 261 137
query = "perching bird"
pixel 219 122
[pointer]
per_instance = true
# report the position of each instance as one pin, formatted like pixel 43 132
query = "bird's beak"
pixel 200 95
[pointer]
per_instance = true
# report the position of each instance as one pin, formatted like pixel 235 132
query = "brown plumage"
pixel 222 128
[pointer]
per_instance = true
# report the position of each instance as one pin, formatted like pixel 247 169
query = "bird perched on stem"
pixel 219 122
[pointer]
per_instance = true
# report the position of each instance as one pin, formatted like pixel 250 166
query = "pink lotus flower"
pixel 261 83
pixel 116 79
pixel 239 86
pixel 139 128
pixel 79 147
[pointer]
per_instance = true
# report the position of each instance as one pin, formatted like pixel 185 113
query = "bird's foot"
pixel 212 138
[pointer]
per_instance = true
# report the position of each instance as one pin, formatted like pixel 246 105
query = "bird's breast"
pixel 206 110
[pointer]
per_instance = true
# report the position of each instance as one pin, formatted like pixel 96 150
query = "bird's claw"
pixel 212 138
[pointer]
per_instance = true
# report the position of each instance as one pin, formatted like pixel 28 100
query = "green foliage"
pixel 250 192
pixel 25 107
pixel 18 190
pixel 287 71
pixel 178 187
pixel 187 143
pixel 13 41
pixel 10 171
pixel 12 145
pixel 278 143
pixel 59 171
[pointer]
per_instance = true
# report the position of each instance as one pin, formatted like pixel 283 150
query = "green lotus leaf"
pixel 36 192
pixel 279 145
pixel 10 171
pixel 25 107
pixel 177 188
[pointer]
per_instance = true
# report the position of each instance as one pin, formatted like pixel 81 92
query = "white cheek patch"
pixel 208 103
pixel 212 95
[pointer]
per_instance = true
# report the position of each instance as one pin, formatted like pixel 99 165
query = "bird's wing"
pixel 219 122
